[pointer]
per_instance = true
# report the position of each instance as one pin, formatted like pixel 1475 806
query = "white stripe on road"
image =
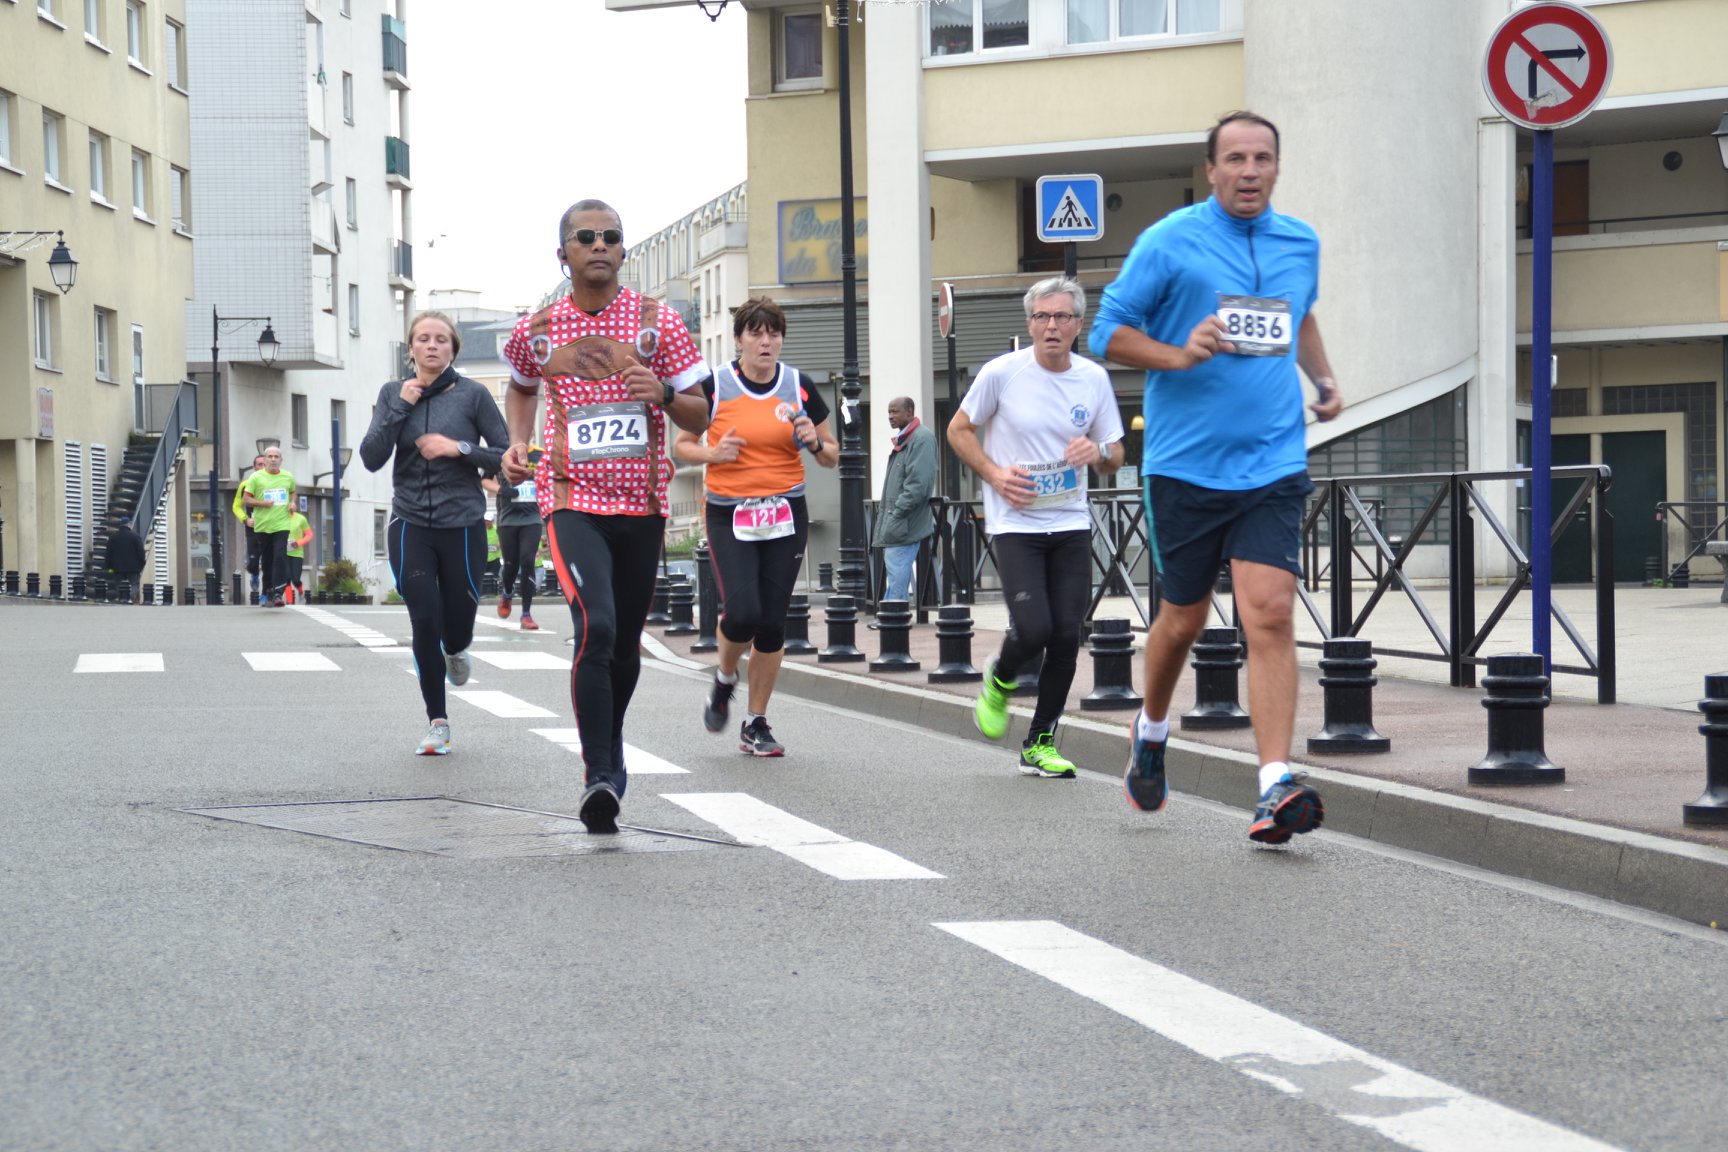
pixel 636 761
pixel 750 821
pixel 1353 1085
pixel 501 704
pixel 119 662
pixel 494 622
pixel 524 661
pixel 290 662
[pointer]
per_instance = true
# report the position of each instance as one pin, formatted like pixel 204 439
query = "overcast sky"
pixel 521 107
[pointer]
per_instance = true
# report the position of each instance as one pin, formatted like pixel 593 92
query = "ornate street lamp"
pixel 61 266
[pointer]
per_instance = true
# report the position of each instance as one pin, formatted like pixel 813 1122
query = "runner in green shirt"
pixel 299 535
pixel 270 496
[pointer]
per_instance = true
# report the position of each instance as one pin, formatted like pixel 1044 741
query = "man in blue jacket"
pixel 1215 302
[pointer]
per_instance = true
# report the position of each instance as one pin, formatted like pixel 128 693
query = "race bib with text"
pixel 607 431
pixel 1055 482
pixel 1256 325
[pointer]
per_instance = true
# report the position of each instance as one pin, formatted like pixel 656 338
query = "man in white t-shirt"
pixel 1047 416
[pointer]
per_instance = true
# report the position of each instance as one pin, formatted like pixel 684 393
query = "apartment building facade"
pixel 95 150
pixel 1418 189
pixel 300 136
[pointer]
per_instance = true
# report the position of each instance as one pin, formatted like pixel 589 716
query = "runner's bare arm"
pixel 1311 356
pixel 519 417
pixel 1013 483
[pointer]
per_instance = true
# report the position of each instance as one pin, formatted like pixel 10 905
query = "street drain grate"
pixel 463 829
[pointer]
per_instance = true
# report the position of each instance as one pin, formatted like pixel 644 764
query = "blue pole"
pixel 336 482
pixel 1541 396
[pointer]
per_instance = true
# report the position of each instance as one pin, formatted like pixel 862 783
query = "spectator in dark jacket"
pixel 903 519
pixel 125 558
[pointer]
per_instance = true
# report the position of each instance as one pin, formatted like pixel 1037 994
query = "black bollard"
pixel 189 595
pixel 11 582
pixel 240 596
pixel 1711 809
pixel 32 584
pixel 954 646
pixel 708 606
pixel 682 605
pixel 147 593
pixel 798 626
pixel 824 577
pixel 168 595
pixel 56 587
pixel 657 612
pixel 1517 695
pixel 894 633
pixel 98 589
pixel 1347 682
pixel 842 613
pixel 77 588
pixel 1112 650
pixel 1026 682
pixel 1217 657
pixel 488 584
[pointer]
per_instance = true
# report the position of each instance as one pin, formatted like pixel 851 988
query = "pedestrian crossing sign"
pixel 1070 208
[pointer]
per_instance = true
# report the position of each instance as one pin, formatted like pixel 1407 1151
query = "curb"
pixel 1671 877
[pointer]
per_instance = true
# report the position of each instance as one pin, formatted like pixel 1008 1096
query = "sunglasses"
pixel 585 236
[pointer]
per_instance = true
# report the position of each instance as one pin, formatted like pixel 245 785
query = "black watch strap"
pixel 667 396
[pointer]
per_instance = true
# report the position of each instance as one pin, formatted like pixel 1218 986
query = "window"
pixel 135 31
pixel 140 185
pixel 180 199
pixel 1095 21
pixel 353 191
pixel 104 345
pixel 297 419
pixel 348 97
pixel 53 131
pixel 174 53
pixel 354 309
pixel 345 7
pixel 44 310
pixel 98 167
pixel 137 353
pixel 6 128
pixel 45 9
pixel 93 21
pixel 961 26
pixel 797 50
pixel 380 522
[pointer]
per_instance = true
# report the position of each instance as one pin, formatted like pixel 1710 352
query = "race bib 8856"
pixel 1256 325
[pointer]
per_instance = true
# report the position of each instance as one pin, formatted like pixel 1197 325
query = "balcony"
pixel 402 266
pixel 395 53
pixel 1654 284
pixel 717 238
pixel 326 240
pixel 396 163
pixel 317 105
pixel 399 359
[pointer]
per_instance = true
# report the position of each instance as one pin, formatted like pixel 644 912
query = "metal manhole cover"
pixel 464 829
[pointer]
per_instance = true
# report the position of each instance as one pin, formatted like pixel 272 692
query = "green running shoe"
pixel 990 713
pixel 1040 758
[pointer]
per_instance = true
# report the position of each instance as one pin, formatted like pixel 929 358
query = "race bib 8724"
pixel 607 431
pixel 1256 325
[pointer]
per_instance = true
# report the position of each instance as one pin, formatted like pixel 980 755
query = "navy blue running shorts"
pixel 1194 530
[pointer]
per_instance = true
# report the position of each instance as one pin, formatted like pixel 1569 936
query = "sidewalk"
pixel 1613 829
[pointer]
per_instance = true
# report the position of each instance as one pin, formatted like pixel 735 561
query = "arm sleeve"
pixel 814 406
pixel 519 354
pixel 1129 300
pixel 387 417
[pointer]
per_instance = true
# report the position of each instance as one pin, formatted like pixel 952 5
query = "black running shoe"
pixel 755 738
pixel 599 811
pixel 1288 808
pixel 718 707
pixel 1143 781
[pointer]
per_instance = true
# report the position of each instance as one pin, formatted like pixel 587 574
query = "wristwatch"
pixel 667 396
pixel 463 447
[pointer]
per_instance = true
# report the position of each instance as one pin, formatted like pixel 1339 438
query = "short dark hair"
pixel 585 206
pixel 1239 117
pixel 758 312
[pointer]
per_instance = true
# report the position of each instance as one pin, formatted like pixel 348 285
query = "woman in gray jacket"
pixel 434 422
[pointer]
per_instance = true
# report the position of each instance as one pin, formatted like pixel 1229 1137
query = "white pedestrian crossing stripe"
pixel 290 662
pixel 1356 1086
pixel 119 662
pixel 513 625
pixel 359 633
pixel 750 821
pixel 636 761
pixel 524 661
pixel 501 704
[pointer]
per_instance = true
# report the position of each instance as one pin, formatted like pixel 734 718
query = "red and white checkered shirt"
pixel 615 487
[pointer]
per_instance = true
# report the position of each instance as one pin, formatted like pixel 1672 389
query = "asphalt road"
pixel 1046 969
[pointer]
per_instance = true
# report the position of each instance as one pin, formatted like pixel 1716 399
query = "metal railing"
pixel 181 422
pixel 1691 515
pixel 1122 558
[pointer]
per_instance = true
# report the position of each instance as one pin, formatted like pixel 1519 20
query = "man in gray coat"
pixel 903 520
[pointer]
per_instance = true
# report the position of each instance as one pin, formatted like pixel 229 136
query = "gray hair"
pixel 1054 286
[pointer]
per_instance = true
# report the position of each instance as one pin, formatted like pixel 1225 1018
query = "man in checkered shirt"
pixel 615 367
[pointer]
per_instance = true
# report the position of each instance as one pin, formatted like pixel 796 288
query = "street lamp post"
pixel 267 348
pixel 850 578
pixel 61 266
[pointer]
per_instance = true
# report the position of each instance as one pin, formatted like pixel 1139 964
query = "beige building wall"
pixel 136 265
pixel 1665 45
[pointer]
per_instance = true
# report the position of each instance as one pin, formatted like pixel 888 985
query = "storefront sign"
pixel 810 235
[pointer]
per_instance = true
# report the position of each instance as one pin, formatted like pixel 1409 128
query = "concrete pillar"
pixel 23 532
pixel 1493 393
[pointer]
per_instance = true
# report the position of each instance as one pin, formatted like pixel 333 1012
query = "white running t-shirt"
pixel 1026 415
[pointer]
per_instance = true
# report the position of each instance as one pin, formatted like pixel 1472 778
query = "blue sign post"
pixel 1070 209
pixel 1546 66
